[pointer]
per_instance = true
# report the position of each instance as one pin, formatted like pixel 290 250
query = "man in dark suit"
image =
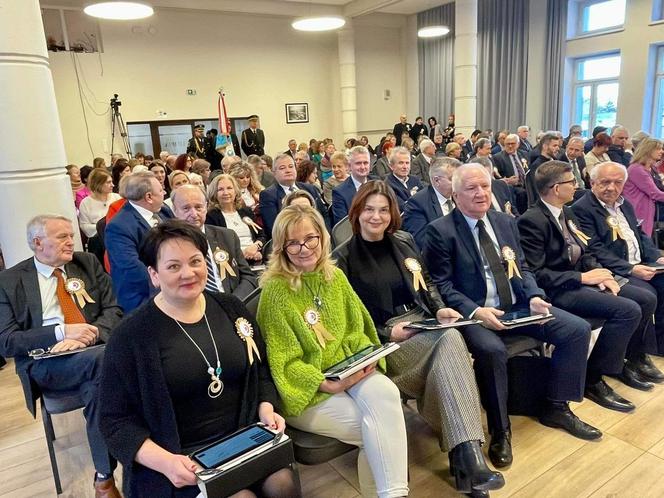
pixel 270 200
pixel 253 138
pixel 199 145
pixel 463 254
pixel 502 195
pixel 403 126
pixel 573 154
pixel 616 152
pixel 433 201
pixel 549 150
pixel 359 162
pixel 500 142
pixel 123 236
pixel 619 244
pixel 419 166
pixel 523 132
pixel 402 182
pixel 39 310
pixel 556 251
pixel 469 145
pixel 214 157
pixel 189 204
pixel 292 148
pixel 512 165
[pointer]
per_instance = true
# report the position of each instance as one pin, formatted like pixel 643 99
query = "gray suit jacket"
pixel 21 328
pixel 419 167
pixel 245 281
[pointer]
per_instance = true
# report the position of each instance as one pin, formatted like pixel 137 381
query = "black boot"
pixel 500 449
pixel 470 471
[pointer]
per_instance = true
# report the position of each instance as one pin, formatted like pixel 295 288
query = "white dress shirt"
pixel 626 232
pixel 51 311
pixel 146 214
pixel 444 206
pixel 215 267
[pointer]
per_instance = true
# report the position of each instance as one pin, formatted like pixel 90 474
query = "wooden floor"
pixel 628 462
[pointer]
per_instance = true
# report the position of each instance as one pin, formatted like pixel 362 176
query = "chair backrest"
pixel 251 301
pixel 101 229
pixel 341 232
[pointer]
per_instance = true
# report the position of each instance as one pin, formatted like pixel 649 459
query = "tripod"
pixel 118 122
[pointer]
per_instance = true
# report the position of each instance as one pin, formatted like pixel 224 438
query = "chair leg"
pixel 50 437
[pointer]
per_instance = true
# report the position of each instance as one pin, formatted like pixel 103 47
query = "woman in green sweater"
pixel 312 319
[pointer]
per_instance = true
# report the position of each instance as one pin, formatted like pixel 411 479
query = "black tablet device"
pixel 233 446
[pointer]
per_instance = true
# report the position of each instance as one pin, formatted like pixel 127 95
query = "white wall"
pixel 261 62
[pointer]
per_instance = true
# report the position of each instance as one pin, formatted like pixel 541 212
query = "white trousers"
pixel 368 415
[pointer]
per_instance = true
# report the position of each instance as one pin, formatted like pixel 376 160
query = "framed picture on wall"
pixel 297 113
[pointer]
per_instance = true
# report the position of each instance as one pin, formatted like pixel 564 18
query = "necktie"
pixel 69 309
pixel 577 174
pixel 449 206
pixel 210 284
pixel 573 249
pixel 156 219
pixel 496 267
pixel 519 169
pixel 291 189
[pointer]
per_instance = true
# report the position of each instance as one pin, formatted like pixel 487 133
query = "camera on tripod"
pixel 118 123
pixel 115 103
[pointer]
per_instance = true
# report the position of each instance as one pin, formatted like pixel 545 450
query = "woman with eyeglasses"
pixel 311 319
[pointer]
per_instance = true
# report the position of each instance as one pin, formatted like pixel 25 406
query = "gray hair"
pixel 639 137
pixel 278 158
pixel 193 188
pixel 523 127
pixel 426 143
pixel 457 177
pixel 357 150
pixel 395 151
pixel 441 165
pixel 481 143
pixel 484 161
pixel 138 184
pixel 575 139
pixel 36 228
pixel 512 136
pixel 618 128
pixel 594 172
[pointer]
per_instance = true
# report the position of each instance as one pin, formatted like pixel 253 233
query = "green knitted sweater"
pixel 295 357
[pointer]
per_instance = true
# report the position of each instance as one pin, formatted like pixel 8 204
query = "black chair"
pixel 309 449
pixel 53 403
pixel 341 232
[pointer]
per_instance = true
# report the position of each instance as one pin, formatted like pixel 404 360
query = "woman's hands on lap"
pixel 180 470
pixel 337 386
pixel 270 418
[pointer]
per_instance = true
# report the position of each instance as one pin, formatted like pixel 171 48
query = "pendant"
pixel 318 302
pixel 216 387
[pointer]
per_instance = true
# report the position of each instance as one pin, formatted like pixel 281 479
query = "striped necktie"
pixel 211 284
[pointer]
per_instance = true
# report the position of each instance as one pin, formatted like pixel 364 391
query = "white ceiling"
pixel 348 8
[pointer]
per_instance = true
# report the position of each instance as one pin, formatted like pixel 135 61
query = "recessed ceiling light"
pixel 433 31
pixel 323 23
pixel 119 11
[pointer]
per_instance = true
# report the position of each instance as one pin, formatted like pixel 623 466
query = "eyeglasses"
pixel 294 248
pixel 572 181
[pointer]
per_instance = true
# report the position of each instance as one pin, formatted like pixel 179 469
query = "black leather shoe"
pixel 631 377
pixel 500 449
pixel 647 369
pixel 604 396
pixel 478 494
pixel 558 415
pixel 470 471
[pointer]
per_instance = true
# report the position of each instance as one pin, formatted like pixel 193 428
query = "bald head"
pixel 189 204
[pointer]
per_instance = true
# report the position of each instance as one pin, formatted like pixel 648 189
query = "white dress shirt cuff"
pixel 60 332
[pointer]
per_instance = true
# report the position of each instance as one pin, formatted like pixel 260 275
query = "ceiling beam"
pixel 357 8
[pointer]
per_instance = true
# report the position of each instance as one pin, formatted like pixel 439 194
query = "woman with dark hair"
pixel 159 170
pixel 364 140
pixel 184 163
pixel 120 168
pixel 384 268
pixel 434 128
pixel 194 381
pixel 95 206
pixel 381 167
pixel 299 198
pixel 307 173
pixel 418 129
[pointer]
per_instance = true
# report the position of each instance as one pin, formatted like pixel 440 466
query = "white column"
pixel 465 65
pixel 346 43
pixel 32 172
pixel 411 75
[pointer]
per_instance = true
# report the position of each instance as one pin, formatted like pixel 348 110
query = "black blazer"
pixel 403 246
pixel 455 264
pixel 402 192
pixel 504 193
pixel 611 254
pixel 253 143
pixel 504 164
pixel 546 250
pixel 270 200
pixel 525 146
pixel 216 218
pixel 581 163
pixel 421 209
pixel 21 328
pixel 531 189
pixel 244 280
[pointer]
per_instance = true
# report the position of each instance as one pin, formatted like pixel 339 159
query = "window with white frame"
pixel 595 91
pixel 589 17
pixel 658 96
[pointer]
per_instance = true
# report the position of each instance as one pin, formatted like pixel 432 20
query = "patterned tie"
pixel 210 284
pixel 496 267
pixel 69 309
pixel 518 168
pixel 449 206
pixel 573 249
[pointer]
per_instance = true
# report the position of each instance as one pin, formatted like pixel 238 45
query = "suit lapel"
pixel 215 243
pixel 467 238
pixel 74 271
pixel 551 219
pixel 138 216
pixel 30 283
pixel 433 198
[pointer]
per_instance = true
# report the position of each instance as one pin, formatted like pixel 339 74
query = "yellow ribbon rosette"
pixel 582 236
pixel 312 317
pixel 510 256
pixel 508 208
pixel 221 258
pixel 76 287
pixel 614 225
pixel 246 333
pixel 251 224
pixel 414 266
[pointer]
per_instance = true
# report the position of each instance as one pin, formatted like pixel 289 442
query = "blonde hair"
pixel 213 202
pixel 643 153
pixel 243 169
pixel 279 265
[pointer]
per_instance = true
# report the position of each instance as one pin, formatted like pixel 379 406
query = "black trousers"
pixel 80 371
pixel 656 286
pixel 571 336
pixel 622 316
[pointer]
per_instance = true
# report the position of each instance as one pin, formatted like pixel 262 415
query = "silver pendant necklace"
pixel 318 302
pixel 216 385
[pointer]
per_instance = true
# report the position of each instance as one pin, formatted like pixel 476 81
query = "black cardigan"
pixel 215 217
pixel 135 403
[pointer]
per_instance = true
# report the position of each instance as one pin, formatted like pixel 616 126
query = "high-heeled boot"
pixel 470 470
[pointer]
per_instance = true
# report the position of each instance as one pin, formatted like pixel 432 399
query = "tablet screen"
pixel 228 449
pixel 515 315
pixel 343 365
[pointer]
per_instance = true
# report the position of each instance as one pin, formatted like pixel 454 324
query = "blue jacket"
pixel 611 254
pixel 421 209
pixel 270 203
pixel 342 198
pixel 403 193
pixel 123 237
pixel 455 264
